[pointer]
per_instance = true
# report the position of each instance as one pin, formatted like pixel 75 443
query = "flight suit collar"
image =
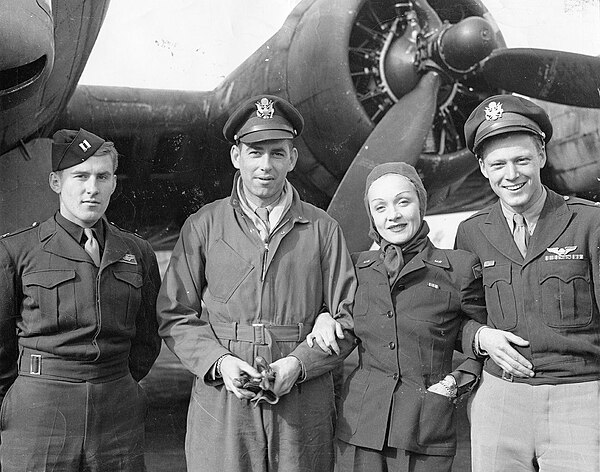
pixel 294 212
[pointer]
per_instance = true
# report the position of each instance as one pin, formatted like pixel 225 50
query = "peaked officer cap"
pixel 70 147
pixel 504 114
pixel 263 117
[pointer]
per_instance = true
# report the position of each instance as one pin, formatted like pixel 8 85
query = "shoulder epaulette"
pixel 35 224
pixel 482 212
pixel 364 258
pixel 580 201
pixel 124 230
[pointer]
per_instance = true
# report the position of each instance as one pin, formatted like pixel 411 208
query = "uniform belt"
pixel 42 364
pixel 259 333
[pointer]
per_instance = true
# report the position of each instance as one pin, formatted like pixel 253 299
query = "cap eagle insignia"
pixel 264 108
pixel 493 111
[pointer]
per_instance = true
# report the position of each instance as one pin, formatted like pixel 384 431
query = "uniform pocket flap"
pixel 499 273
pixel 48 278
pixel 565 271
pixel 132 278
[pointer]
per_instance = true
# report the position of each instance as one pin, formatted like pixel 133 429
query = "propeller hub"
pixel 399 67
pixel 462 46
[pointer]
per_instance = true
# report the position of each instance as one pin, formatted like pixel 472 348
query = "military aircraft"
pixel 376 80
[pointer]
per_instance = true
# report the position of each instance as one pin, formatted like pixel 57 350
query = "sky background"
pixel 194 44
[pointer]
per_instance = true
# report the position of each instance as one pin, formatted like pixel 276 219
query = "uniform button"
pixel 390 314
pixel 395 376
pixel 392 346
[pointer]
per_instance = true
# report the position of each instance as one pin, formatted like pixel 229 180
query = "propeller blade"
pixel 442 170
pixel 554 76
pixel 399 136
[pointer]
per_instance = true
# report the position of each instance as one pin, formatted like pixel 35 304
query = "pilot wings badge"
pixel 264 108
pixel 493 111
pixel 563 254
pixel 129 259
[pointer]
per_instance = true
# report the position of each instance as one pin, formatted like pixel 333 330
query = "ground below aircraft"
pixel 361 73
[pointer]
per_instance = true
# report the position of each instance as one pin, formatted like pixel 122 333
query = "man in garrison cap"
pixel 538 405
pixel 247 278
pixel 78 326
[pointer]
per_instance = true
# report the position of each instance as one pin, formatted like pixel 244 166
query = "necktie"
pixel 520 233
pixel 263 214
pixel 91 246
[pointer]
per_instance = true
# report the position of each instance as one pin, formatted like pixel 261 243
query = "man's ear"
pixel 293 159
pixel 55 182
pixel 235 153
pixel 482 168
pixel 114 184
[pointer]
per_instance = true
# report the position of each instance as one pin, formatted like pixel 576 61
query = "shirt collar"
pixel 531 215
pixel 253 206
pixel 276 209
pixel 76 231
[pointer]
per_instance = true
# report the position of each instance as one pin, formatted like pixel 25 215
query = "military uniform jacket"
pixel 550 298
pixel 54 300
pixel 407 338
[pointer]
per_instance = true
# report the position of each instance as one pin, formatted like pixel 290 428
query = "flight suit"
pixel 254 293
pixel 79 338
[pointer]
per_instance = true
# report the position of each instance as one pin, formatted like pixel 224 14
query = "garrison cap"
pixel 70 147
pixel 504 114
pixel 263 117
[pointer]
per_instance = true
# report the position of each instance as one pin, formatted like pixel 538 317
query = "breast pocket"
pixel 429 304
pixel 566 293
pixel 499 296
pixel 130 283
pixel 49 301
pixel 225 271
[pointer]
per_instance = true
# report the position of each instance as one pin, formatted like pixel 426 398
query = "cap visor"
pixel 505 129
pixel 266 135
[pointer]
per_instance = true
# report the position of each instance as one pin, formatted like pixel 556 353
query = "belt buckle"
pixel 35 364
pixel 259 333
pixel 506 376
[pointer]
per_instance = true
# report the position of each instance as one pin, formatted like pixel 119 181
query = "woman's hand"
pixel 446 387
pixel 324 333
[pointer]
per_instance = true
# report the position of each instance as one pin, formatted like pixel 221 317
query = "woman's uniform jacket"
pixel 408 334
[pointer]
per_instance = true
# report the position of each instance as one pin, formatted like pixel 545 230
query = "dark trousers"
pixel 52 425
pixel 350 458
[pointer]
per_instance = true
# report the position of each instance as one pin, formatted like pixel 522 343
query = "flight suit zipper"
pixel 264 262
pixel 265 255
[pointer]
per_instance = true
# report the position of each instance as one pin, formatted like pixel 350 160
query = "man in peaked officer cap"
pixel 264 264
pixel 77 325
pixel 538 405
